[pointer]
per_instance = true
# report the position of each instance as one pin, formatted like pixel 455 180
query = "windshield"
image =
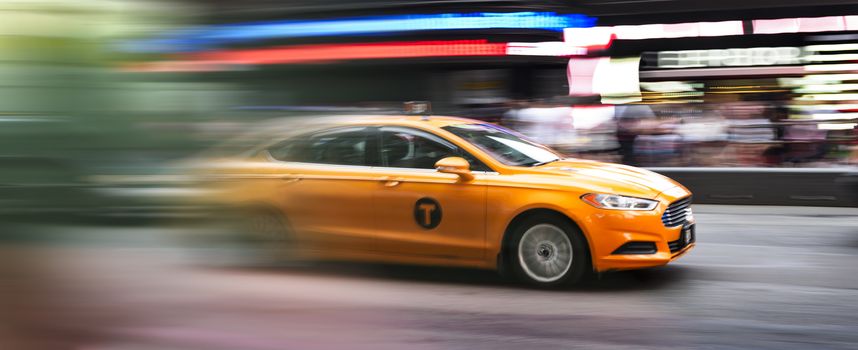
pixel 505 145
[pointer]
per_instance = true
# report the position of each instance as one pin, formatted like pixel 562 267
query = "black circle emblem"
pixel 427 213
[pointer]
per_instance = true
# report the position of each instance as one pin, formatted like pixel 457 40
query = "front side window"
pixel 410 148
pixel 505 145
pixel 340 146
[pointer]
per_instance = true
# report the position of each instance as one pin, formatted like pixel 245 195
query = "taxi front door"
pixel 420 211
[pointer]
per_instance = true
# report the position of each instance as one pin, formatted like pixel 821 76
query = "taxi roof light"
pixel 423 108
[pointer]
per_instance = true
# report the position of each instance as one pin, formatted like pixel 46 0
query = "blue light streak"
pixel 201 38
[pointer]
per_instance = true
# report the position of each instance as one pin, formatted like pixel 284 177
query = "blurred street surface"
pixel 761 277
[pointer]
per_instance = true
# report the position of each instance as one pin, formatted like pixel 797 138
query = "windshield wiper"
pixel 543 163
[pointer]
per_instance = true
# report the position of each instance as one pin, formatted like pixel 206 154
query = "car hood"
pixel 609 177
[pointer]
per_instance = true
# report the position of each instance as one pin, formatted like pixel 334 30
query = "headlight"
pixel 617 202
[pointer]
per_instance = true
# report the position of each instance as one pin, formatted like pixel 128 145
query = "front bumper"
pixel 632 262
pixel 610 230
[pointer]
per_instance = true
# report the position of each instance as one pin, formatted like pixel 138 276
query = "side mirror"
pixel 455 165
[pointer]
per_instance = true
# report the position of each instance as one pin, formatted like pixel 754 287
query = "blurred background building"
pixel 672 83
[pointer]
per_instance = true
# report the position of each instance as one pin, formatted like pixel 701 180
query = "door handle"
pixel 391 181
pixel 290 179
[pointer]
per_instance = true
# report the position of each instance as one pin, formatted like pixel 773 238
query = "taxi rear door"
pixel 325 188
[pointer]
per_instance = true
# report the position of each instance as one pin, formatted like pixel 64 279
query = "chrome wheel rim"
pixel 545 253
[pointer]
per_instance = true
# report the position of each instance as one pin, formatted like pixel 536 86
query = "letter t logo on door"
pixel 427 213
pixel 427 209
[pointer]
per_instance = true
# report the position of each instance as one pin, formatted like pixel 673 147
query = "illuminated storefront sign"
pixel 603 35
pixel 758 56
pixel 748 57
pixel 590 75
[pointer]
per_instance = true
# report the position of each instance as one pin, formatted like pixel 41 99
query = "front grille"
pixel 677 213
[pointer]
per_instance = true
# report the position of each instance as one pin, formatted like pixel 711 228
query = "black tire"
pixel 517 266
pixel 266 226
pixel 266 233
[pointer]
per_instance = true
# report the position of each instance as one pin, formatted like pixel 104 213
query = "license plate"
pixel 687 234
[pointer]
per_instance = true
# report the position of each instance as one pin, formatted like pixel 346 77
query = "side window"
pixel 409 148
pixel 476 164
pixel 340 146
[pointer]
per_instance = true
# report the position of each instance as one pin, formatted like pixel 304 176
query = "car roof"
pixel 280 128
pixel 410 120
pixel 297 125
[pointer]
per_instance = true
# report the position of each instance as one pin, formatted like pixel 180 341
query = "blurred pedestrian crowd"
pixel 736 133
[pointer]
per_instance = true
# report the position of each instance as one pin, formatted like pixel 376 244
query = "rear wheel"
pixel 267 235
pixel 547 251
pixel 266 226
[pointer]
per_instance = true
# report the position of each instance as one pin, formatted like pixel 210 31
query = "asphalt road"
pixel 760 277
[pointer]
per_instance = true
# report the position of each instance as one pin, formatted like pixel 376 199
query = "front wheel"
pixel 547 251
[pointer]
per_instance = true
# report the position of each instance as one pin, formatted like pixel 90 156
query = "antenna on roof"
pixel 423 108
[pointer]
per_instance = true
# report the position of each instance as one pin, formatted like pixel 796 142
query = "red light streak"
pixel 340 52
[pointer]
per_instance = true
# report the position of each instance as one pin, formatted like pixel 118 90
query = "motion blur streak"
pixel 226 60
pixel 311 53
pixel 585 36
pixel 204 37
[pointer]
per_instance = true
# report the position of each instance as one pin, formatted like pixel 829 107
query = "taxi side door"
pixel 420 211
pixel 325 188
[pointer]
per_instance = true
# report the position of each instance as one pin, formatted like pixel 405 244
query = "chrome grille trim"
pixel 676 213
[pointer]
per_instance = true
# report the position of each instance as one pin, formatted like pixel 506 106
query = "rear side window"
pixel 345 146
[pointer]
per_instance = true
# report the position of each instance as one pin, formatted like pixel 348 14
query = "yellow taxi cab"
pixel 456 192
